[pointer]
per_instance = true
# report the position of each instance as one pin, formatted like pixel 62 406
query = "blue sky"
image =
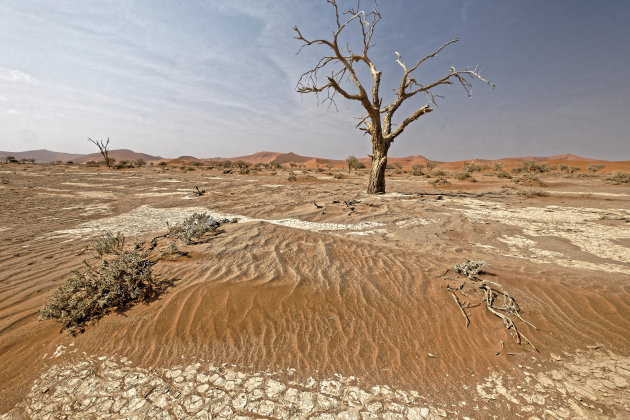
pixel 215 78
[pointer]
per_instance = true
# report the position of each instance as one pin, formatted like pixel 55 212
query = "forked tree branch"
pixel 332 70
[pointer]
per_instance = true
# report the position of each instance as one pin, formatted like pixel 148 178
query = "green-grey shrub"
pixel 90 294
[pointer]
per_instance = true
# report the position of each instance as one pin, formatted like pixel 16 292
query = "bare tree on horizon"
pixel 340 66
pixel 103 147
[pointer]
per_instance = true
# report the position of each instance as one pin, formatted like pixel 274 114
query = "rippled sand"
pixel 297 294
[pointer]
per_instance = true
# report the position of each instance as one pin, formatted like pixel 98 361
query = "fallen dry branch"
pixel 496 299
pixel 460 305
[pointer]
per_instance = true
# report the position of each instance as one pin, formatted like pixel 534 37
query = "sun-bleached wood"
pixel 340 67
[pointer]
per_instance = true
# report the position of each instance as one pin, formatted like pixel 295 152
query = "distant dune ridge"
pixel 42 155
pixel 47 156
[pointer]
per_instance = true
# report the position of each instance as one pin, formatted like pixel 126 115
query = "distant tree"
pixel 352 163
pixel 103 147
pixel 594 167
pixel 11 159
pixel 341 65
pixel 139 163
pixel 430 165
pixel 417 169
pixel 162 164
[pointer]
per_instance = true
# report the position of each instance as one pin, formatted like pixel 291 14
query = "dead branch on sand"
pixel 506 308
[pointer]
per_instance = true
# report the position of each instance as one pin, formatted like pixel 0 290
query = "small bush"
pixel 470 269
pixel 532 193
pixel 465 176
pixel 162 164
pixel 416 169
pixel 339 176
pixel 439 182
pixel 529 181
pixel 438 173
pixel 93 293
pixel 292 177
pixel 503 175
pixel 472 167
pixel 619 178
pixel 594 168
pixel 531 167
pixel 195 228
pixel 109 243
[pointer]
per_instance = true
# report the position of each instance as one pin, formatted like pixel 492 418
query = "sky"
pixel 215 78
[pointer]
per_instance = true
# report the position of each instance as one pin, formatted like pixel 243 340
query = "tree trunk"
pixel 377 173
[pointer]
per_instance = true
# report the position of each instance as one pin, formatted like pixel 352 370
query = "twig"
pixel 497 353
pixel 442 274
pixel 460 305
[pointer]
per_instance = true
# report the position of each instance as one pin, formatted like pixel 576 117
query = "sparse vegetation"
pixel 292 177
pixel 465 176
pixel 109 243
pixel 92 293
pixel 503 175
pixel 353 163
pixel 416 169
pixel 592 168
pixel 530 167
pixel 470 269
pixel 196 228
pixel 339 175
pixel 529 180
pixel 532 193
pixel 439 181
pixel 472 167
pixel 619 178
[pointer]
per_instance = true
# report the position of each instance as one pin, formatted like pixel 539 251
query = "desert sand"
pixel 329 311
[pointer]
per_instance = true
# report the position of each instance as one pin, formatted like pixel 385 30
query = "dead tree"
pixel 103 147
pixel 340 67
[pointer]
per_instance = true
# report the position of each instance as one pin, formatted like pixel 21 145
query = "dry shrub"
pixel 90 294
pixel 465 176
pixel 529 181
pixel 470 269
pixel 196 228
pixel 109 243
pixel 440 181
pixel 532 193
pixel 503 175
pixel 619 178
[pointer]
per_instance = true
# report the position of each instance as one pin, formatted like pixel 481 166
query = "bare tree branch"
pixel 103 147
pixel 340 66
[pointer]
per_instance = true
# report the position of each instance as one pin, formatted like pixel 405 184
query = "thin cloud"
pixel 11 75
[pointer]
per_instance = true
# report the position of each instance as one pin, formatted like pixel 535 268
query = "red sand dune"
pixel 119 154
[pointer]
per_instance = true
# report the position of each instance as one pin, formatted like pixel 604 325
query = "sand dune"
pixel 289 294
